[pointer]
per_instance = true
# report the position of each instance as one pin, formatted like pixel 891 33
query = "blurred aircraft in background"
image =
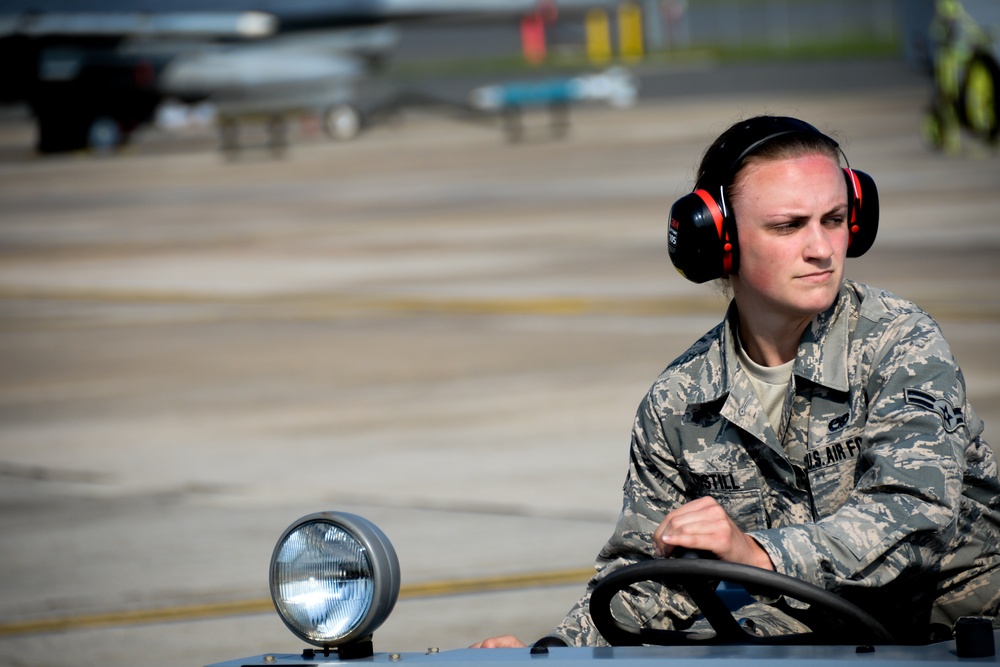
pixel 92 71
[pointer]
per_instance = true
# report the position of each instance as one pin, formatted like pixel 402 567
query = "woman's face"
pixel 791 220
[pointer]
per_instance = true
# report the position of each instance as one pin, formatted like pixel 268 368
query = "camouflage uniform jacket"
pixel 881 487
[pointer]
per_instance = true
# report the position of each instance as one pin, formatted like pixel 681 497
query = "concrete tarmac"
pixel 428 326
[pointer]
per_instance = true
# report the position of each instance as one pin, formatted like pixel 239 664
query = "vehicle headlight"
pixel 334 578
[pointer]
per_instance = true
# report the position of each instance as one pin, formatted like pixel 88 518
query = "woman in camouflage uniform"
pixel 822 430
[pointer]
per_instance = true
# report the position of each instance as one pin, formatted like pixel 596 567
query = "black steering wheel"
pixel 831 618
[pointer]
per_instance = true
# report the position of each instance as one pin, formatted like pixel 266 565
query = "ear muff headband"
pixel 745 140
pixel 702 236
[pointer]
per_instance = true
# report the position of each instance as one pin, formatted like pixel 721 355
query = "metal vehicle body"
pixel 335 577
pixel 937 655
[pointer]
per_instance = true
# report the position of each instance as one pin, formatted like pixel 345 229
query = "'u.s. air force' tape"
pixel 950 415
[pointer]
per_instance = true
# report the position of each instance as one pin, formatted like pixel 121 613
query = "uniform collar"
pixel 822 356
pixel 823 351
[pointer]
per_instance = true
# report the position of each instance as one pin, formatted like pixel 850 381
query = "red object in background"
pixel 533 38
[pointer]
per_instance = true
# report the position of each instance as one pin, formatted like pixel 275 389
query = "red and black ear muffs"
pixel 863 211
pixel 702 238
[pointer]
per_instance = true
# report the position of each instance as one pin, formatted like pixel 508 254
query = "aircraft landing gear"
pixel 230 133
pixel 342 122
pixel 62 132
pixel 71 118
pixel 277 135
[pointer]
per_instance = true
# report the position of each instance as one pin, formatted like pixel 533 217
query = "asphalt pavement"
pixel 428 326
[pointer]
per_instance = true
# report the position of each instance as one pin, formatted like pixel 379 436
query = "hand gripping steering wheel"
pixel 832 619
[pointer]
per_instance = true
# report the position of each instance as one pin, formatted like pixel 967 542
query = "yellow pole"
pixel 598 36
pixel 630 31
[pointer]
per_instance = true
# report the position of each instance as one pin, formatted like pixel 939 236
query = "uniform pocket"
pixel 832 470
pixel 737 490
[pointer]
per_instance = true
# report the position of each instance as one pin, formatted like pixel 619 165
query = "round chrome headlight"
pixel 334 578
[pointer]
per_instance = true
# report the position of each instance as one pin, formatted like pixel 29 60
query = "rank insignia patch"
pixel 950 415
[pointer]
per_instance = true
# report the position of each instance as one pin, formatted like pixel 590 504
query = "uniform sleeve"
pixel 652 487
pixel 902 516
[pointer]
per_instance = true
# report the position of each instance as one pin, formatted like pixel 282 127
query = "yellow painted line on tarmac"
pixel 332 302
pixel 241 608
pixel 135 617
pixel 491 584
pixel 224 307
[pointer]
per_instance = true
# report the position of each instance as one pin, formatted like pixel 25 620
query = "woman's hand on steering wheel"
pixel 703 525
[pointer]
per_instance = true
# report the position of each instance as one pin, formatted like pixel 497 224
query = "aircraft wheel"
pixel 342 122
pixel 979 97
pixel 105 134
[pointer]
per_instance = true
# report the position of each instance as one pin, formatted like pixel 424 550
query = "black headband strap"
pixel 746 138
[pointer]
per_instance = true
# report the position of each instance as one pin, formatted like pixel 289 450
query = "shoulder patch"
pixel 950 415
